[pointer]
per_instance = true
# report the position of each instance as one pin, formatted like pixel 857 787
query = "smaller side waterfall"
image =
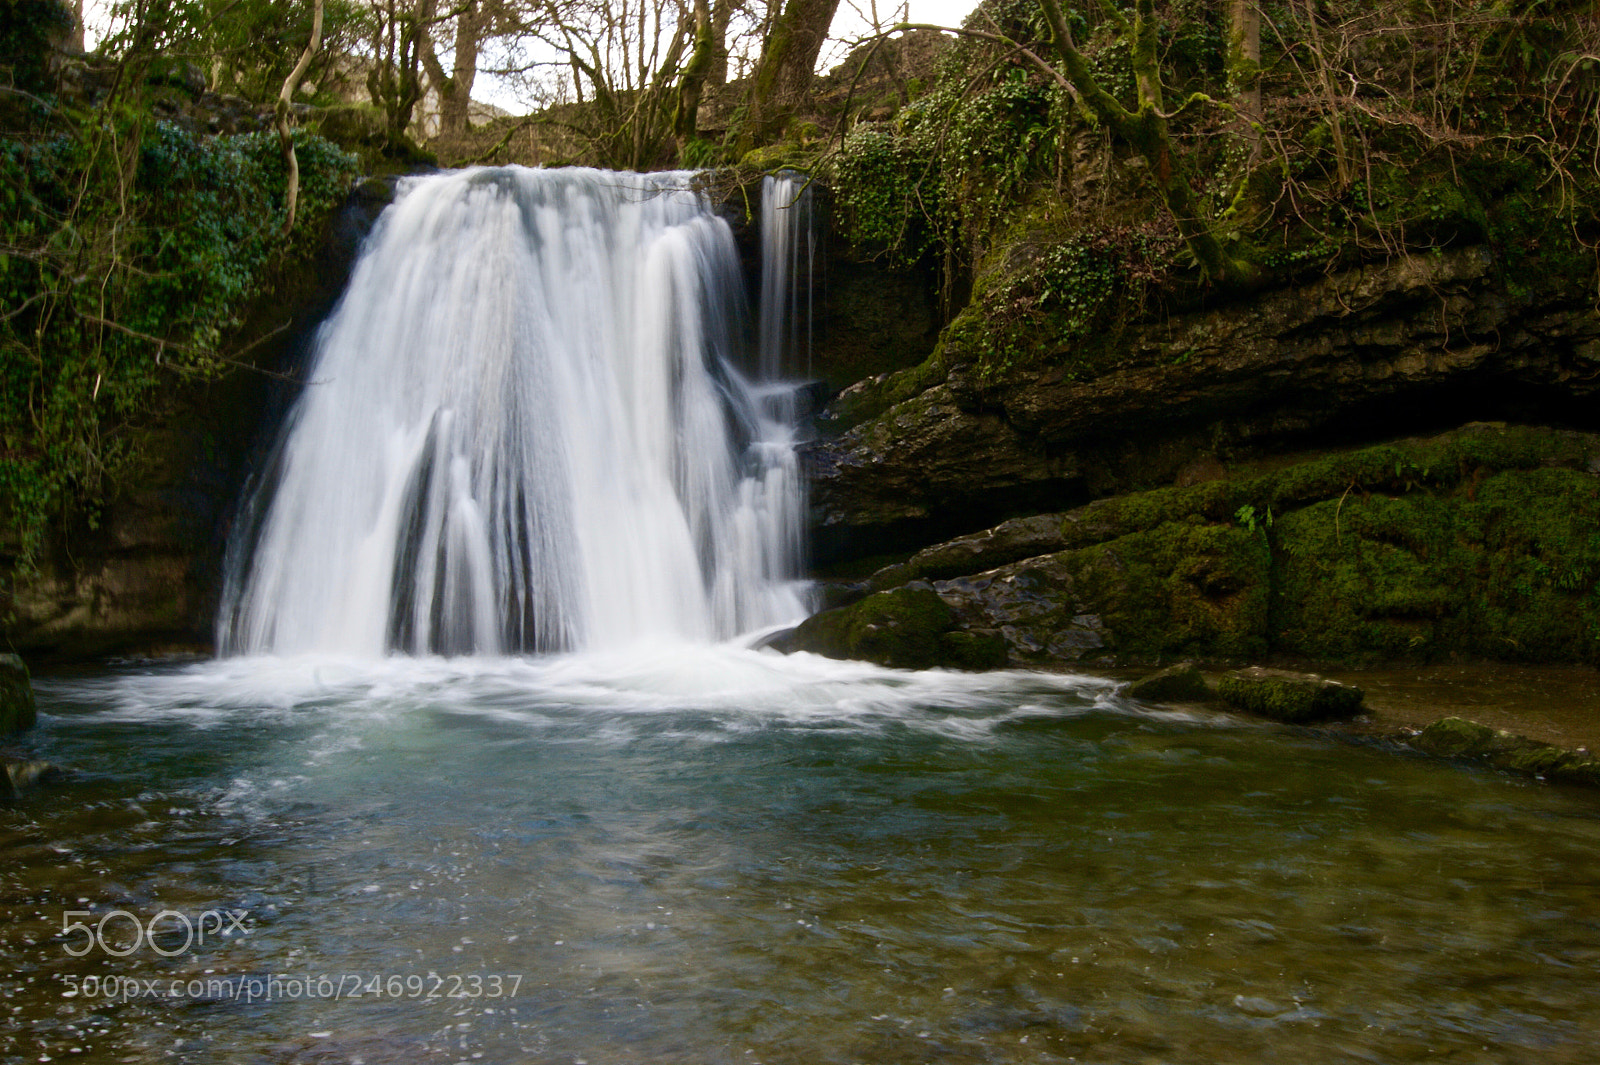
pixel 788 264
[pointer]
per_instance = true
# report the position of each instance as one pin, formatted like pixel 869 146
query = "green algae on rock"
pixel 1455 737
pixel 907 628
pixel 1293 698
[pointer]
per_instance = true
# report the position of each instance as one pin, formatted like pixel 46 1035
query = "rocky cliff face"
pixel 1424 342
pixel 1478 543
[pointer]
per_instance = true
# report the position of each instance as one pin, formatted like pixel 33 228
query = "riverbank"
pixel 1520 718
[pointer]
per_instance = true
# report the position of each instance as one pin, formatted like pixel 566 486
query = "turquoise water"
pixel 718 855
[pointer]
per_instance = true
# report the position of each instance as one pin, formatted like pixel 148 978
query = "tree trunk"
pixel 686 114
pixel 788 60
pixel 291 196
pixel 721 15
pixel 455 96
pixel 1244 57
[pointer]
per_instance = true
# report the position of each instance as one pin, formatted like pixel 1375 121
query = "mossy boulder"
pixel 1454 737
pixel 364 130
pixel 1182 683
pixel 908 628
pixel 1181 588
pixel 17 711
pixel 1293 698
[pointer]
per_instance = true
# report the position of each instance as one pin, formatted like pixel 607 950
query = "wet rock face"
pixel 1435 337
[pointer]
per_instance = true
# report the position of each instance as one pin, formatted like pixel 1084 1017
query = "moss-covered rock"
pixel 1480 542
pixel 17 711
pixel 908 628
pixel 1501 565
pixel 1436 333
pixel 1454 737
pixel 1293 698
pixel 1182 683
pixel 1181 588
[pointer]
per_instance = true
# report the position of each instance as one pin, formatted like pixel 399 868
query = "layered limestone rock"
pixel 1477 543
pixel 1433 338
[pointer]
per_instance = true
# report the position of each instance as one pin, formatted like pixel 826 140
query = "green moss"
pixel 1293 698
pixel 972 650
pixel 868 399
pixel 1178 589
pixel 1454 737
pixel 1182 683
pixel 1504 565
pixel 785 155
pixel 903 628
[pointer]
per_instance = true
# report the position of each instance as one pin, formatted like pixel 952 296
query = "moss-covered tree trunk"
pixel 692 83
pixel 783 75
pixel 1244 56
pixel 394 81
pixel 455 88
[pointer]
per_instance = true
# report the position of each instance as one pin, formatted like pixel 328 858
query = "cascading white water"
pixel 788 261
pixel 524 431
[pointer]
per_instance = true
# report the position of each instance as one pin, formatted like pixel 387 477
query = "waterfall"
pixel 523 431
pixel 788 259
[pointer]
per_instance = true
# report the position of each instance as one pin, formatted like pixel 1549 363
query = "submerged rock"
pixel 1455 737
pixel 1293 698
pixel 17 777
pixel 17 711
pixel 1181 683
